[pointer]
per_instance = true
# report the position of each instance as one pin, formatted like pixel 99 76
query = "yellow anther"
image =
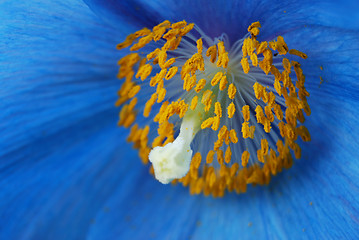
pixel 132 104
pixel 160 77
pixel 191 82
pixel 264 146
pixel 269 114
pixel 252 129
pixel 180 24
pixel 254 59
pixel 271 99
pixel 172 43
pixel 162 57
pixel 186 29
pixel 145 132
pixel 267 126
pixel 222 132
pixel 245 112
pixel 232 91
pixel 209 158
pixel 218 144
pixel 134 91
pixel 290 132
pixel 207 123
pixel 245 158
pixel 303 132
pixel 186 80
pixel 273 45
pixel 207 100
pixel 142 32
pixel 142 42
pixel 281 46
pixel 216 123
pixel 218 109
pixel 261 47
pixel 127 116
pixel 228 155
pixel 265 95
pixel 216 78
pixel 226 138
pixel 266 64
pixel 222 55
pixel 221 49
pixel 231 110
pixel 212 177
pixel 220 156
pixel 132 134
pixel 129 60
pixel 275 72
pixel 254 25
pixel 161 94
pixel 259 114
pixel 200 46
pixel 299 54
pixel 260 156
pixel 165 24
pixel 244 47
pixel 153 54
pixel 245 130
pixel 212 51
pixel 254 31
pixel 282 129
pixel 245 65
pixel 169 63
pixel 128 42
pixel 250 45
pixel 278 111
pixel 200 85
pixel 154 80
pixel 196 160
pixel 297 150
pixel 223 60
pixel 286 65
pixel 149 105
pixel 258 90
pixel 158 32
pixel 286 79
pixel 278 87
pixel 171 34
pixel 182 108
pixel 233 170
pixel 223 83
pixel 194 102
pixel 171 72
pixel 144 71
pixel 233 136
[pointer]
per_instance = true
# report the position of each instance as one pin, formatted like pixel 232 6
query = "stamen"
pixel 181 84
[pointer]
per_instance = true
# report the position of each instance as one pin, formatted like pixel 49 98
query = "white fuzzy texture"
pixel 173 160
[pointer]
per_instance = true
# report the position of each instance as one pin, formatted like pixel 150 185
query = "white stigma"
pixel 173 160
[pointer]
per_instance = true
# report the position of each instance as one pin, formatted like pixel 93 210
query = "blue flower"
pixel 67 173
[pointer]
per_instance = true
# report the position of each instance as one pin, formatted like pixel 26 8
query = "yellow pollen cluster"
pixel 164 66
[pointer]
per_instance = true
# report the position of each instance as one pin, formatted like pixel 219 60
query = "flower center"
pixel 239 103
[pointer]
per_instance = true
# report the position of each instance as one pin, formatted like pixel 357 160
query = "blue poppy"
pixel 67 173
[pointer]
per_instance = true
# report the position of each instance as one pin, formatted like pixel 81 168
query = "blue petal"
pixel 56 70
pixel 230 17
pixel 65 177
pixel 60 156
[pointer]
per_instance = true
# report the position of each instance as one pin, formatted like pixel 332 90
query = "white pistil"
pixel 173 160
